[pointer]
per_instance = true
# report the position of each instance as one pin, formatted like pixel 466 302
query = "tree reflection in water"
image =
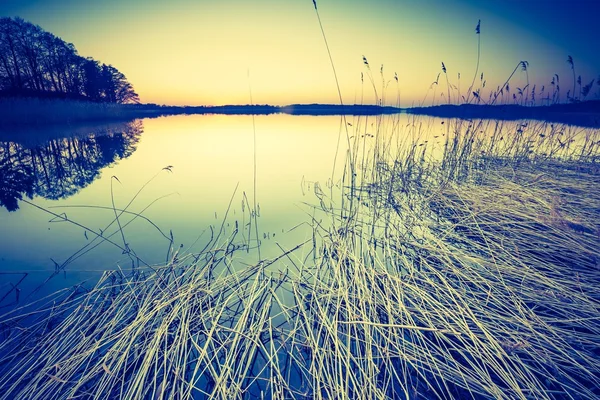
pixel 59 168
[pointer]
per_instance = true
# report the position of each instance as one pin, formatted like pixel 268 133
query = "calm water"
pixel 180 173
pixel 211 162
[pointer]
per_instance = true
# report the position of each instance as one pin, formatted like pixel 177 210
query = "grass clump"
pixel 469 270
pixel 190 329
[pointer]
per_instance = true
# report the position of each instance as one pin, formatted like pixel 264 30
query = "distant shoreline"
pixel 585 113
pixel 292 109
pixel 28 112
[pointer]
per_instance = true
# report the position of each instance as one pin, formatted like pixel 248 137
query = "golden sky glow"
pixel 204 53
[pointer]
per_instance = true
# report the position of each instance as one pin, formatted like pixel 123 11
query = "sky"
pixel 197 52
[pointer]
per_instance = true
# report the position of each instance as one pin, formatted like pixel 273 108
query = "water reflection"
pixel 60 167
pixel 213 159
pixel 298 162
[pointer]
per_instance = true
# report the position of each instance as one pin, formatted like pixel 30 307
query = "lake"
pixel 179 172
pixel 180 175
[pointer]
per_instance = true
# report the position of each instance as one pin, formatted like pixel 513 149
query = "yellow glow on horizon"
pixel 199 53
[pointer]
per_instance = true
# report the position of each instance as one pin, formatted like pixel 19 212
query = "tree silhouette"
pixel 34 62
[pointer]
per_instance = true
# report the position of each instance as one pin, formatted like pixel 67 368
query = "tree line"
pixel 34 62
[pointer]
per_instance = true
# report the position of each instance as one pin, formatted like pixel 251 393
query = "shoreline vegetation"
pixel 18 112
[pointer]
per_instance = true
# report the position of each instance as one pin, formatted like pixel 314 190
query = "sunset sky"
pixel 196 52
